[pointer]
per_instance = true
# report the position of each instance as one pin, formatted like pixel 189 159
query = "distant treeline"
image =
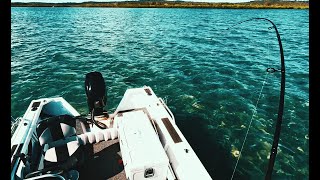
pixel 175 4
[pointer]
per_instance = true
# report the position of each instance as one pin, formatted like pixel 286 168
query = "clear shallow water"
pixel 210 78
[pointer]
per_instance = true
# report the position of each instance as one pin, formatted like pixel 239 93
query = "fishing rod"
pixel 274 148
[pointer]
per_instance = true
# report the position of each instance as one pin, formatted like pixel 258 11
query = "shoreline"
pixel 174 4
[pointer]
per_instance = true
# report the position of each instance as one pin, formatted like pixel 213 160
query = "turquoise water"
pixel 210 78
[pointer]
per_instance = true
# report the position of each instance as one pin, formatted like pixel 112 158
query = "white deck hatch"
pixel 142 153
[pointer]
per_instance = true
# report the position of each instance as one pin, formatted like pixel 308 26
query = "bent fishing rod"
pixel 274 148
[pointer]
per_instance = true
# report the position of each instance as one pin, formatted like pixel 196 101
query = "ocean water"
pixel 211 78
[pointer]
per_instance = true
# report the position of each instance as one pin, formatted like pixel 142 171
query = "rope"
pixel 253 114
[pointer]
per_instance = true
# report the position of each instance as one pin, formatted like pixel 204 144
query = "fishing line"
pixel 253 114
pixel 269 70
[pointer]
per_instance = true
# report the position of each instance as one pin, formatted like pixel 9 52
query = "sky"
pixel 77 1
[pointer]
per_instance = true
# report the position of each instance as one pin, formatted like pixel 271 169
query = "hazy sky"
pixel 61 1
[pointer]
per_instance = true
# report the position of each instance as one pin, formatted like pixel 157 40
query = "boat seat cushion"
pixel 57 136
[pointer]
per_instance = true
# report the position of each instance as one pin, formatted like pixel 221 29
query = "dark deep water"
pixel 210 78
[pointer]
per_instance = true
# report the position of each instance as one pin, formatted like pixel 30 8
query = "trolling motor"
pixel 96 99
